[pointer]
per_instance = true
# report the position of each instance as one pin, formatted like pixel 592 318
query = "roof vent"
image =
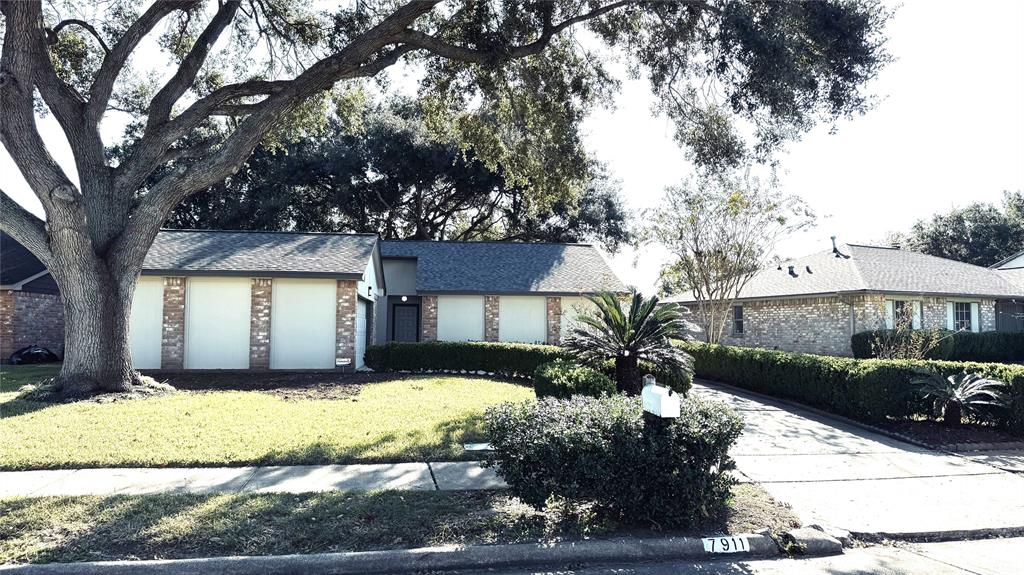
pixel 808 268
pixel 792 271
pixel 835 250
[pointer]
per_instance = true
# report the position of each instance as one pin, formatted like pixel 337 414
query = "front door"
pixel 405 322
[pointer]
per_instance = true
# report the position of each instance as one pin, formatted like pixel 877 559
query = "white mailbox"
pixel 658 400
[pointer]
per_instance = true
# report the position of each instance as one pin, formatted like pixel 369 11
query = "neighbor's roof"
pixel 505 267
pixel 876 269
pixel 236 252
pixel 1012 269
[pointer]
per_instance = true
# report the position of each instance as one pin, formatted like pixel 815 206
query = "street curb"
pixel 940 536
pixel 415 560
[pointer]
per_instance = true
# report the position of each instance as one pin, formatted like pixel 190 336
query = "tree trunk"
pixel 952 414
pixel 97 304
pixel 627 376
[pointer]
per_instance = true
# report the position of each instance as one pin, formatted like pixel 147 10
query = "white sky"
pixel 949 131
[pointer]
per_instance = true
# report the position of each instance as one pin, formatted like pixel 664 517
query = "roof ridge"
pixel 293 232
pixel 503 242
pixel 1000 263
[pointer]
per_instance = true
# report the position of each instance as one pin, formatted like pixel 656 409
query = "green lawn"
pixel 64 529
pixel 414 419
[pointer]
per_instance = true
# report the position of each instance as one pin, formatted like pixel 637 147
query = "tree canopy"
pixel 391 176
pixel 979 233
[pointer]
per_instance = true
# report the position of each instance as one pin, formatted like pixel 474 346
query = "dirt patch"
pixel 287 385
pixel 939 435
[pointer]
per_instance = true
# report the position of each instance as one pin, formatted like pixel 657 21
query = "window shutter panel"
pixel 950 318
pixel 975 320
pixel 890 314
pixel 916 310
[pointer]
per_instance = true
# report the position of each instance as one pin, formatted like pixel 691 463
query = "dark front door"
pixel 405 322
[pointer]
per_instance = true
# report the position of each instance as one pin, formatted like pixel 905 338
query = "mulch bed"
pixel 939 435
pixel 287 385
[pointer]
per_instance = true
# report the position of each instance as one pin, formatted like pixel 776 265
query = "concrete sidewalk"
pixel 842 475
pixel 278 479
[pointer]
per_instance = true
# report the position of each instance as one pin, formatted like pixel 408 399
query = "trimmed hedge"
pixel 986 346
pixel 600 451
pixel 563 379
pixel 866 389
pixel 511 359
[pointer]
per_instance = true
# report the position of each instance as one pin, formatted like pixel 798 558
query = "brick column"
pixel 428 318
pixel 346 325
pixel 6 325
pixel 259 323
pixel 554 315
pixel 172 346
pixel 491 317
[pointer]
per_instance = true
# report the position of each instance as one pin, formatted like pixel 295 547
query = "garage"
pixel 460 318
pixel 302 324
pixel 522 319
pixel 145 325
pixel 217 323
pixel 362 313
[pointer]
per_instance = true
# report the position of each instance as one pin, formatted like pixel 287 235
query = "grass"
pixel 64 529
pixel 412 419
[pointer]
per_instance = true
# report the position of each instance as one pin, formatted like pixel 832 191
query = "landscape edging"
pixel 416 560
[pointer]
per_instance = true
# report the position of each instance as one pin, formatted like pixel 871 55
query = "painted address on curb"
pixel 734 544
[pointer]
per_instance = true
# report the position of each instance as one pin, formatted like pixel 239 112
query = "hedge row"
pixel 866 389
pixel 987 346
pixel 511 359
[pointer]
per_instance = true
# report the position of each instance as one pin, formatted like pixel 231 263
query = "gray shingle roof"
pixel 311 254
pixel 876 269
pixel 505 267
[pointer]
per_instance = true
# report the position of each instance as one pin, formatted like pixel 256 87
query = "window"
pixel 737 320
pixel 962 316
pixel 902 314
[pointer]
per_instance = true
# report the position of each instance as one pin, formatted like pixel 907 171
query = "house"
pixel 1010 313
pixel 30 309
pixel 289 300
pixel 815 303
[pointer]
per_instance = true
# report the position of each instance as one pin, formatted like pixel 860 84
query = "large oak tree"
pixel 512 79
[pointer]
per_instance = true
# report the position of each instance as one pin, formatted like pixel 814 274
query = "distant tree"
pixel 979 234
pixel 721 229
pixel 393 177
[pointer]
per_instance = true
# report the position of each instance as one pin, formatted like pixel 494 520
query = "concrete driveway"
pixel 841 475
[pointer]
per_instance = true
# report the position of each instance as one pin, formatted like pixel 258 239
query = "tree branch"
pixel 25 228
pixel 114 61
pixel 52 33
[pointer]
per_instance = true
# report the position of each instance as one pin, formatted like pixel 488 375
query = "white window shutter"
pixel 890 314
pixel 975 320
pixel 950 317
pixel 916 310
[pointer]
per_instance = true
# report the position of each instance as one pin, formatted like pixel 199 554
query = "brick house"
pixel 30 309
pixel 287 300
pixel 815 303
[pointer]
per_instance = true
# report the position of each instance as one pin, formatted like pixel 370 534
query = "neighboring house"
pixel 284 300
pixel 30 309
pixel 1010 314
pixel 815 303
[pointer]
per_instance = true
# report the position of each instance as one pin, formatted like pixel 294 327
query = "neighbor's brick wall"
pixel 259 323
pixel 172 345
pixel 28 318
pixel 554 316
pixel 809 325
pixel 492 305
pixel 346 324
pixel 428 321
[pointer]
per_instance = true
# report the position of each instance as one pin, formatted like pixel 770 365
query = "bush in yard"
pixel 563 379
pixel 511 359
pixel 598 451
pixel 986 346
pixel 962 394
pixel 870 389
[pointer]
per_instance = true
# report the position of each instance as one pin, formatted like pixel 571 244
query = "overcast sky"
pixel 948 131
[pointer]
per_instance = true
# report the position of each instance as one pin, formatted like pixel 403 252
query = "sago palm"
pixel 643 332
pixel 963 394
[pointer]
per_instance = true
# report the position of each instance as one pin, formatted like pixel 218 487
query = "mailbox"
pixel 658 400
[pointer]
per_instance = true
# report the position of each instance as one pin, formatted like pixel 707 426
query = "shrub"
pixel 963 394
pixel 563 379
pixel 599 451
pixel 869 390
pixel 986 346
pixel 511 359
